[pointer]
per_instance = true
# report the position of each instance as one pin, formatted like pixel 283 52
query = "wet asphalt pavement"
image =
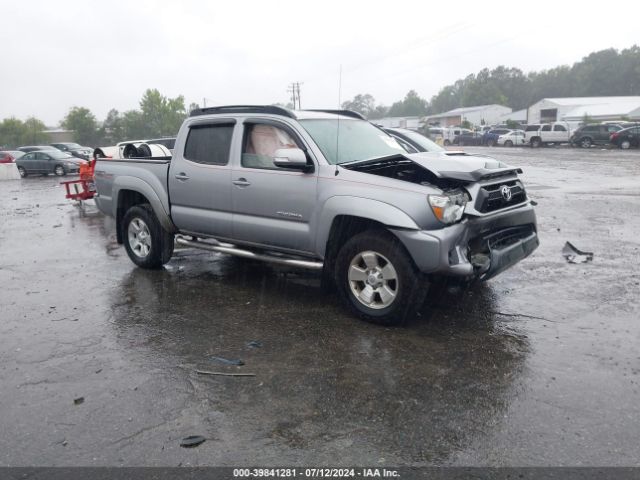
pixel 540 366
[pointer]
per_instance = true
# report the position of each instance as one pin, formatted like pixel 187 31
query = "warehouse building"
pixel 574 109
pixel 479 115
pixel 412 123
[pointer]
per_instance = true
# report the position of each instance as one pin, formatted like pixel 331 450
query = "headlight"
pixel 448 208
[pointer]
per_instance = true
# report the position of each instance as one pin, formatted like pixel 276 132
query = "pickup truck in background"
pixel 537 135
pixel 322 190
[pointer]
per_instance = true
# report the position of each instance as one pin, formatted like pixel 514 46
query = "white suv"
pixel 541 134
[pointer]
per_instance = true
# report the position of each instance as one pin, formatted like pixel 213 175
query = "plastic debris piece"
pixel 78 401
pixel 574 255
pixel 192 441
pixel 225 374
pixel 227 361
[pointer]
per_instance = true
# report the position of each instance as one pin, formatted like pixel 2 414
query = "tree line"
pixel 157 116
pixel 604 73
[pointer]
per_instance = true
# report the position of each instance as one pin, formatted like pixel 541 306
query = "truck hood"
pixel 461 166
pixel 439 168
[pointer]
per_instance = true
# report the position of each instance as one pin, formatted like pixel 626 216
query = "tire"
pixel 508 143
pixel 491 143
pixel 535 143
pixel 447 143
pixel 59 171
pixel 585 142
pixel 625 144
pixel 155 247
pixel 364 259
pixel 23 173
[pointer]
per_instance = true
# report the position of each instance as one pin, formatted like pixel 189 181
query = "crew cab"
pixel 322 190
pixel 537 135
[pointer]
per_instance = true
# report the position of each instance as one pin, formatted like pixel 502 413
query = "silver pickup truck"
pixel 322 190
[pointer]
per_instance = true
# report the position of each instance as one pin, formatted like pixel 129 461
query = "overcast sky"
pixel 57 54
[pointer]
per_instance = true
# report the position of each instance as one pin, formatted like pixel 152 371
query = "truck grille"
pixel 495 197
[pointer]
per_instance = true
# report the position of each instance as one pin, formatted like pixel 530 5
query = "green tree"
pixel 84 125
pixel 364 104
pixel 412 105
pixel 34 132
pixel 113 128
pixel 12 132
pixel 161 116
pixel 133 126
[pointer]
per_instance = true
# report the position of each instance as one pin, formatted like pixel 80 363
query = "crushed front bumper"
pixel 476 247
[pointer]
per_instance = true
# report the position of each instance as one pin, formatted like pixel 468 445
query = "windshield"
pixel 423 141
pixel 357 140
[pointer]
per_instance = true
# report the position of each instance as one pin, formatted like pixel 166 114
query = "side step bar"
pixel 233 250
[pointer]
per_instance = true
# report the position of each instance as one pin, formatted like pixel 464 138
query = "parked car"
pixel 35 148
pixel 74 149
pixel 10 156
pixel 467 137
pixel 48 161
pixel 626 138
pixel 413 142
pixel 542 134
pixel 327 191
pixel 588 135
pixel 490 138
pixel 512 138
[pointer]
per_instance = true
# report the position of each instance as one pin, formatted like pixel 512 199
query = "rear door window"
pixel 559 128
pixel 209 144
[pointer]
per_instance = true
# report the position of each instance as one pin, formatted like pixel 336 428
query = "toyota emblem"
pixel 506 193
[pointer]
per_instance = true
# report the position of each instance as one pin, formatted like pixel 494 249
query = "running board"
pixel 233 250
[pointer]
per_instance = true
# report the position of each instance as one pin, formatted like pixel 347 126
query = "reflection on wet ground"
pixel 537 367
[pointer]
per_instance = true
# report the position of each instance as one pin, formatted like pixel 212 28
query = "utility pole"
pixel 294 90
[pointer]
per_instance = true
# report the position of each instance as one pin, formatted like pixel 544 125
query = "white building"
pixel 479 115
pixel 519 116
pixel 412 123
pixel 574 109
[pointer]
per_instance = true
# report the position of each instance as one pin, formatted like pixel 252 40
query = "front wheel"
pixel 22 172
pixel 585 142
pixel 535 143
pixel 59 171
pixel 625 144
pixel 377 280
pixel 146 242
pixel 447 143
pixel 508 143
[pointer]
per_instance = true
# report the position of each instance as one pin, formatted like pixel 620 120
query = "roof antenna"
pixel 338 129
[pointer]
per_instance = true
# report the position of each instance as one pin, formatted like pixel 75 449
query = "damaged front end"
pixel 488 221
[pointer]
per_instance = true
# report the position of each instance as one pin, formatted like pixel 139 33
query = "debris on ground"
pixel 227 361
pixel 225 374
pixel 192 441
pixel 78 401
pixel 254 344
pixel 573 255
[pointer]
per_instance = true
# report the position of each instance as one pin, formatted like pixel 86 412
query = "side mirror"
pixel 291 158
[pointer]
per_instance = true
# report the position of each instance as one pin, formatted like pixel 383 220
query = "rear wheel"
pixel 377 280
pixel 508 143
pixel 447 143
pixel 59 171
pixel 22 172
pixel 625 144
pixel 585 142
pixel 146 242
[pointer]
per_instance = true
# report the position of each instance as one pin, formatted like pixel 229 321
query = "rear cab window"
pixel 209 144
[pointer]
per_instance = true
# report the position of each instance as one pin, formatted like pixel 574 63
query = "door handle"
pixel 241 182
pixel 182 176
